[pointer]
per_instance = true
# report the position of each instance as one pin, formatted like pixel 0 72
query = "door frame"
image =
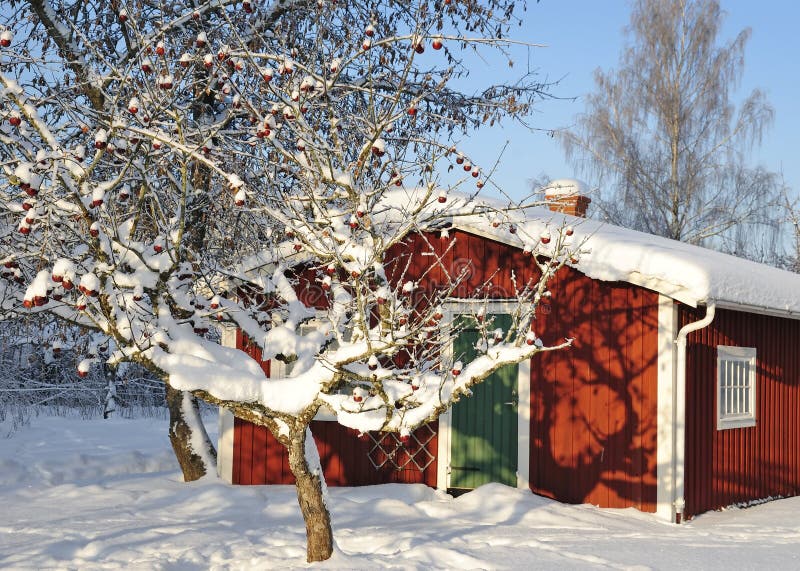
pixel 451 310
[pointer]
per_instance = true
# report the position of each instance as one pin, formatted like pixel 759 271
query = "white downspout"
pixel 679 442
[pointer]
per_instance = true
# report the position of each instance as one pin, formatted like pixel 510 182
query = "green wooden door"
pixel 483 445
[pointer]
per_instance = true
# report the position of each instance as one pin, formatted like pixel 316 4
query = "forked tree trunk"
pixel 305 465
pixel 193 448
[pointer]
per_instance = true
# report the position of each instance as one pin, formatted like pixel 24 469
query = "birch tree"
pixel 169 168
pixel 663 134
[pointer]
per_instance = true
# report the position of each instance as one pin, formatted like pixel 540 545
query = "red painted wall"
pixel 593 428
pixel 725 467
pixel 594 406
pixel 432 262
pixel 347 459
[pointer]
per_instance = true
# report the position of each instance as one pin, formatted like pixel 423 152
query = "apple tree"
pixel 172 168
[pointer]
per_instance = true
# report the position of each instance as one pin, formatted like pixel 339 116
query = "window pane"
pixel 736 385
pixel 739 387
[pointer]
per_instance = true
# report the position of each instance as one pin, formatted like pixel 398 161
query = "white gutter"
pixel 679 418
pixel 758 309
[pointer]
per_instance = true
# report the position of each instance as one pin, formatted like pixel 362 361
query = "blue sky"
pixel 582 35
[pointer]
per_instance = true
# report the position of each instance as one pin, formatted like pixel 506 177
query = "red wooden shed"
pixel 680 394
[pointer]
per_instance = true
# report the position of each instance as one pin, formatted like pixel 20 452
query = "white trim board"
pixel 226 419
pixel 443 451
pixel 665 408
pixel 225 445
pixel 524 425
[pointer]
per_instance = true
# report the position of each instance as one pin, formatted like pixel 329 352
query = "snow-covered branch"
pixel 280 168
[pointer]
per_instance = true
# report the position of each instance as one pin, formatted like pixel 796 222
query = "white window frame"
pixel 278 368
pixel 743 391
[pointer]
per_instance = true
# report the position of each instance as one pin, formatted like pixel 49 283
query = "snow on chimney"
pixel 567 195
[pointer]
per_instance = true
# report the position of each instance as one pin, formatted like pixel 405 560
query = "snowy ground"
pixel 78 494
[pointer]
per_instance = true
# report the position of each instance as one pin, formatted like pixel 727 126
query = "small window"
pixel 736 387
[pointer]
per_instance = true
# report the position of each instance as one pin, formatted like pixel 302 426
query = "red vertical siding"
pixel 344 454
pixel 725 467
pixel 258 458
pixel 593 417
pixel 244 440
pixel 593 425
pixel 649 402
pixel 634 342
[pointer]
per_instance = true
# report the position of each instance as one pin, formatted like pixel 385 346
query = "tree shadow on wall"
pixel 594 405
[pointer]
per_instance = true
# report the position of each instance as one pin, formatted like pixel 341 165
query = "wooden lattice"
pixel 388 449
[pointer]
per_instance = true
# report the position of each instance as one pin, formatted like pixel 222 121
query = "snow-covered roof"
pixel 689 274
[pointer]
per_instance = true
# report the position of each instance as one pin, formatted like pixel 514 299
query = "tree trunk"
pixel 309 483
pixel 110 405
pixel 193 449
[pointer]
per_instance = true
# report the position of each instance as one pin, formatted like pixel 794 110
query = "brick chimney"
pixel 567 195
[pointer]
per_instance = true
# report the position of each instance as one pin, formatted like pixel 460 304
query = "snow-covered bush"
pixel 176 167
